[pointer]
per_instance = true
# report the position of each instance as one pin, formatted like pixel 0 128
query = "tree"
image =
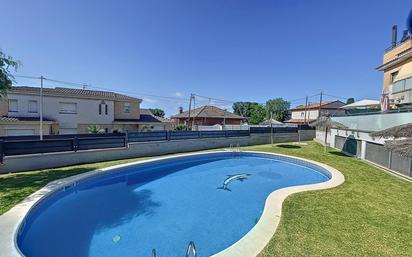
pixel 146 128
pixel 94 129
pixel 6 79
pixel 258 114
pixel 157 112
pixel 180 127
pixel 350 100
pixel 278 107
pixel 246 109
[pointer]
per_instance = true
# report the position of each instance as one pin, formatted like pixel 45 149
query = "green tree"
pixel 157 112
pixel 244 109
pixel 258 114
pixel 180 127
pixel 6 79
pixel 94 129
pixel 146 128
pixel 278 107
pixel 350 100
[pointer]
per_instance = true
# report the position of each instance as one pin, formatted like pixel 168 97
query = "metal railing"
pixel 190 251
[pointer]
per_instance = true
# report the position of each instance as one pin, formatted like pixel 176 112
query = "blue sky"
pixel 226 49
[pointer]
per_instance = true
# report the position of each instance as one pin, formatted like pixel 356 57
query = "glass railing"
pixel 401 85
pixel 374 122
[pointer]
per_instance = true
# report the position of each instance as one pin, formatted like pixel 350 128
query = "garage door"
pixel 20 132
pixel 65 131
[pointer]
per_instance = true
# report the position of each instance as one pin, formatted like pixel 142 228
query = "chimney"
pixel 394 35
pixel 405 35
pixel 180 109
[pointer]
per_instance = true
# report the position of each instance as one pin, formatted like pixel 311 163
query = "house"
pixel 152 122
pixel 207 115
pixel 70 111
pixel 302 114
pixel 397 70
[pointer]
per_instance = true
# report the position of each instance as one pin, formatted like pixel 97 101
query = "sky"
pixel 235 50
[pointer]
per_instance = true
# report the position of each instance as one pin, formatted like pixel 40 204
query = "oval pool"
pixel 212 199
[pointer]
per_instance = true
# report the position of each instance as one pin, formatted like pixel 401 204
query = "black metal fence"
pixel 20 145
pixel 280 129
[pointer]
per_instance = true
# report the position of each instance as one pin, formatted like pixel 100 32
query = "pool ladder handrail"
pixel 191 249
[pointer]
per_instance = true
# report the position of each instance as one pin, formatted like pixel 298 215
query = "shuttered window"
pixel 33 106
pixel 126 107
pixel 13 105
pixel 68 108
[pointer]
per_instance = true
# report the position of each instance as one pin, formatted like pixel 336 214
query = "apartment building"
pixel 70 111
pixel 397 70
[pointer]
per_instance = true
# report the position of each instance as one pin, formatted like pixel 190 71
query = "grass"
pixel 369 215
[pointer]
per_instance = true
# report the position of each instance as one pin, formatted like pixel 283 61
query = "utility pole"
pixel 271 129
pixel 320 103
pixel 306 109
pixel 41 107
pixel 190 107
pixel 224 119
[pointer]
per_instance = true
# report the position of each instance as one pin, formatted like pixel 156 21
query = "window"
pixel 13 106
pixel 68 108
pixel 302 114
pixel 33 106
pixel 126 107
pixel 394 75
pixel 103 108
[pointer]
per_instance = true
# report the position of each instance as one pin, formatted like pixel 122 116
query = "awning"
pixel 404 72
pixel 366 103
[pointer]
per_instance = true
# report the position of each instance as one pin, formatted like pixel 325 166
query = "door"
pixel 19 132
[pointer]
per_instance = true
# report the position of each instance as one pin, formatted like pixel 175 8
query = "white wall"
pixel 310 114
pixel 87 110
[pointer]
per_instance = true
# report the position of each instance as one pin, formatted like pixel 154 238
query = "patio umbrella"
pixel 395 132
pixel 403 147
pixel 325 122
pixel 385 101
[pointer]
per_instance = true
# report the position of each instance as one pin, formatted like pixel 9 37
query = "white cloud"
pixel 178 94
pixel 149 100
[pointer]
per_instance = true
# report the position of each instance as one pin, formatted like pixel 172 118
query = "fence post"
pixel 168 132
pixel 75 144
pixel 1 151
pixel 225 133
pixel 126 138
pixel 200 134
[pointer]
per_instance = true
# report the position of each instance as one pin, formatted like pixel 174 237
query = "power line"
pixel 82 85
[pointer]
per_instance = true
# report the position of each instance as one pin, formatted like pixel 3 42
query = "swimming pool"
pixel 211 199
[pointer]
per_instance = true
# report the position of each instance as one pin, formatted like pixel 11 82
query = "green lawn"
pixel 369 215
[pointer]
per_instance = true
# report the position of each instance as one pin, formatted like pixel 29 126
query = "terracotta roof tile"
pixel 314 105
pixel 73 92
pixel 208 111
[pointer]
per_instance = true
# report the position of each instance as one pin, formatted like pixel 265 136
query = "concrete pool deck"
pixel 251 244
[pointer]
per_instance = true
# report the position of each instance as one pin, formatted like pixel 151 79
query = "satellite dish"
pixel 409 22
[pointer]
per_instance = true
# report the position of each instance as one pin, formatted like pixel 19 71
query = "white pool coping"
pixel 251 244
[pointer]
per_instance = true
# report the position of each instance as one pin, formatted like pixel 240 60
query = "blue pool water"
pixel 162 205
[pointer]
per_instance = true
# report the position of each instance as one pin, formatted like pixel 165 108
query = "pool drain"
pixel 116 239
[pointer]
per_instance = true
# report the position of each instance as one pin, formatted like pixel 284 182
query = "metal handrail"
pixel 191 249
pixel 153 252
